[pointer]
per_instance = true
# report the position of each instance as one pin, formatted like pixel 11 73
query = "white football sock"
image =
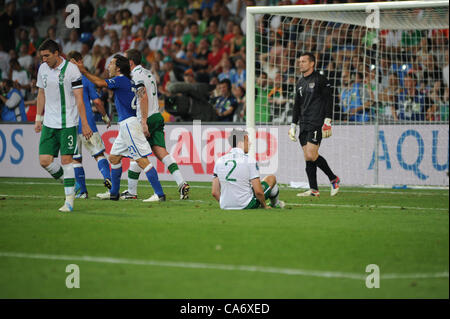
pixel 69 179
pixel 178 177
pixel 133 182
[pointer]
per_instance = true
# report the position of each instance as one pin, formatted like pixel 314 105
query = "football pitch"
pixel 314 248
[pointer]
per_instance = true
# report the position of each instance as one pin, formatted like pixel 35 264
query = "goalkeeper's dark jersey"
pixel 313 102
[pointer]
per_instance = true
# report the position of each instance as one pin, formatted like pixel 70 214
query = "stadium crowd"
pixel 203 42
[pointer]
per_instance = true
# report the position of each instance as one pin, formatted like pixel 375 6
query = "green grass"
pixel 404 232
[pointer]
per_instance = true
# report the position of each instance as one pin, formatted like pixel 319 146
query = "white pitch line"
pixel 262 269
pixel 282 187
pixel 288 204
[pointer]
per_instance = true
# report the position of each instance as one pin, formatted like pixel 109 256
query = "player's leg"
pixel 167 159
pixel 68 142
pixel 321 163
pixel 48 149
pixel 156 140
pixel 272 191
pixel 310 141
pixel 80 179
pixel 152 177
pixel 116 173
pixel 133 178
pixel 96 147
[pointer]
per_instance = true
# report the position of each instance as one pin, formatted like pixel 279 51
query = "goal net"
pixel 388 65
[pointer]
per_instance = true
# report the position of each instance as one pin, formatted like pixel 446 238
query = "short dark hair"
pixel 75 55
pixel 311 57
pixel 134 55
pixel 50 45
pixel 227 82
pixel 123 64
pixel 236 136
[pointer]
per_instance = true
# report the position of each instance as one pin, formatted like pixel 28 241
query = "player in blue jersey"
pixel 131 140
pixel 95 144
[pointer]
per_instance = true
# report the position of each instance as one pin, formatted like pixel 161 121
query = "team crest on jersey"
pixel 61 79
pixel 312 85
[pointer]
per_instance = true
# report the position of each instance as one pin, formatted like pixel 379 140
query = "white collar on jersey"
pixel 237 150
pixel 137 66
pixel 59 67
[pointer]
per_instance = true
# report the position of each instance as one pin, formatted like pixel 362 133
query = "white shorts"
pixel 94 145
pixel 131 141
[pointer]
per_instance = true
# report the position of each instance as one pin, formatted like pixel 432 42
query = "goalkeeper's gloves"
pixel 326 128
pixel 292 132
pixel 106 119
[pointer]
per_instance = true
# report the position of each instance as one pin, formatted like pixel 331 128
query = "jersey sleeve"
pixel 75 77
pixel 327 93
pixel 113 83
pixel 39 81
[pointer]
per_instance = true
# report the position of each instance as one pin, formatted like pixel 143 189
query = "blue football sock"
pixel 116 173
pixel 152 177
pixel 80 178
pixel 103 167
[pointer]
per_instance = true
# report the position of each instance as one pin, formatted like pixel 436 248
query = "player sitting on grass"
pixel 131 141
pixel 95 144
pixel 236 183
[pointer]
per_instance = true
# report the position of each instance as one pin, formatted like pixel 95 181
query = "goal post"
pixel 388 65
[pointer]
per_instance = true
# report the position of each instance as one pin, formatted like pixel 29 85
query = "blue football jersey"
pixel 124 96
pixel 89 93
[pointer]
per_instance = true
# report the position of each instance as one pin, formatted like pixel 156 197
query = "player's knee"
pixel 114 159
pixel 44 162
pixel 271 180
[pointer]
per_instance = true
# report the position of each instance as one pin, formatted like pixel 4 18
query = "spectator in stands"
pixel 24 39
pixel 237 42
pixel 25 60
pixel 8 25
pixel 171 74
pixel 411 103
pixel 200 62
pixel 193 34
pixel 96 58
pixel 388 97
pixel 240 75
pixel 215 56
pixel 87 57
pixel 429 71
pixel 136 7
pixel 228 72
pixel 157 41
pixel 101 38
pixel 355 102
pixel 125 39
pixel 239 93
pixel 13 108
pixel 261 98
pixel 19 76
pixel 225 104
pixel 35 38
pixel 445 70
pixel 74 44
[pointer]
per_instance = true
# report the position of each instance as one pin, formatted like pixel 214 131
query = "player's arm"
pixel 98 81
pixel 327 94
pixel 259 192
pixel 143 104
pixel 85 129
pixel 215 188
pixel 296 116
pixel 40 110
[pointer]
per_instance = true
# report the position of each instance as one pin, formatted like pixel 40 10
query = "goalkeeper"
pixel 312 111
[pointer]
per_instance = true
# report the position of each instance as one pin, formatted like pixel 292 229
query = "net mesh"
pixel 396 74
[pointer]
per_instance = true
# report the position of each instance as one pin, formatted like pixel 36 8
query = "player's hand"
pixel 292 132
pixel 80 65
pixel 86 131
pixel 145 129
pixel 106 119
pixel 38 124
pixel 326 128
